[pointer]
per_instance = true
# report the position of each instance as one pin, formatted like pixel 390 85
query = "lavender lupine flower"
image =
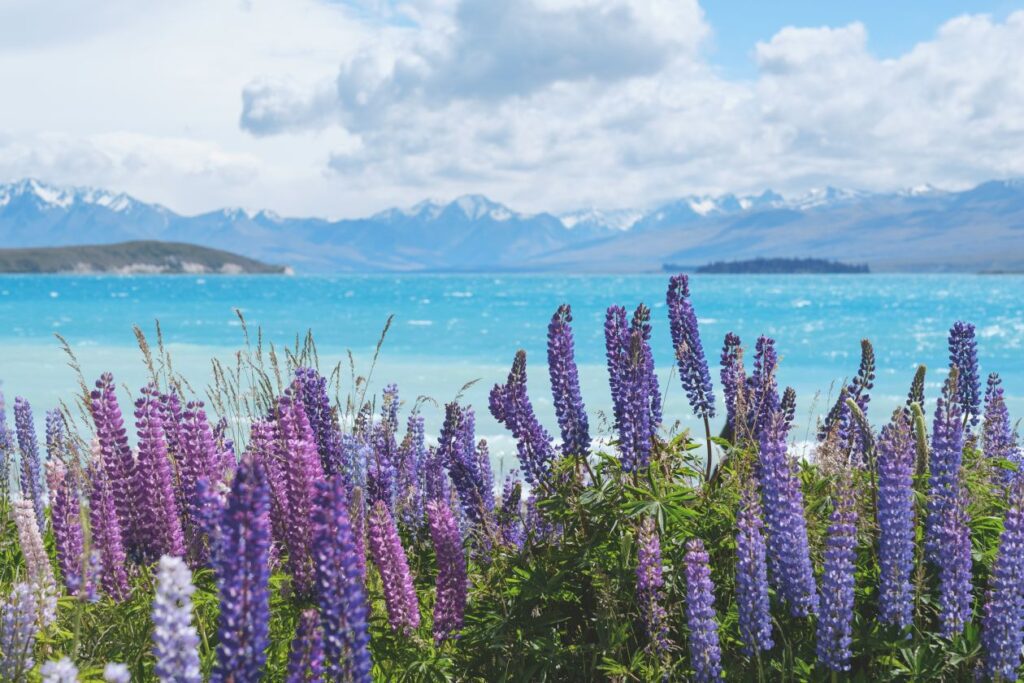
pixel 159 524
pixel 705 653
pixel 635 394
pixel 734 380
pixel 412 455
pixel 56 435
pixel 175 642
pixel 693 366
pixel 451 571
pixel 510 405
pixel 311 390
pixel 60 671
pixel 339 588
pixel 37 562
pixel 1002 633
pixel 354 455
pixel 896 455
pixel 241 560
pixel 435 475
pixel 963 353
pixel 457 448
pixel 65 514
pixel 998 439
pixel 31 468
pixel 954 568
pixel 106 529
pixel 19 624
pixel 382 465
pixel 483 463
pixel 762 390
pixel 172 419
pixel 115 672
pixel 835 618
pixel 650 585
pixel 565 385
pixel 306 655
pixel 198 458
pixel 640 326
pixel 389 557
pixel 755 619
pixel 782 500
pixel 840 418
pixel 944 464
pixel 117 460
pixel 509 516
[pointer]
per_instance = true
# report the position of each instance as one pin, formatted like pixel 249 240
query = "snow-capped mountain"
pixel 921 228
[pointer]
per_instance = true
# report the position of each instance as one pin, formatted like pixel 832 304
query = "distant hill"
pixel 781 266
pixel 922 229
pixel 146 256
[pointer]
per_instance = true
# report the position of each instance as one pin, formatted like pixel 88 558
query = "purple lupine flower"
pixel 650 585
pixel 640 326
pixel 389 557
pixel 354 455
pixel 510 524
pixel 306 654
pixel 616 338
pixel 382 465
pixel 106 529
pixel 159 524
pixel 944 465
pixel 762 390
pixel 302 471
pixel 264 448
pixel 452 583
pixel 226 447
pixel 115 672
pixel 483 463
pixel 172 419
pixel 311 390
pixel 412 455
pixel 565 385
pixel 31 467
pixel 637 403
pixel 789 559
pixel 198 458
pixel 896 453
pixel 693 366
pixel 56 435
pixel 705 652
pixel 175 641
pixel 62 670
pixel 787 406
pixel 1002 633
pixel 117 460
pixel 510 405
pixel 963 353
pixel 19 624
pixel 954 568
pixel 755 619
pixel 840 418
pixel 999 442
pixel 734 380
pixel 339 587
pixel 65 514
pixel 835 618
pixel 456 447
pixel 240 555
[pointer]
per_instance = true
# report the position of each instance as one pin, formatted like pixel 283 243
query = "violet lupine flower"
pixel 172 419
pixel 339 587
pixel 382 465
pixel 565 385
pixel 998 439
pixel 705 652
pixel 755 619
pixel 306 655
pixel 782 500
pixel 954 568
pixel 311 390
pixel 762 390
pixel 787 406
pixel 963 353
pixel 896 454
pixel 944 465
pixel 640 325
pixel 510 405
pixel 840 418
pixel 456 446
pixel 412 455
pixel 637 403
pixel 115 672
pixel 106 530
pixel 509 516
pixel 734 380
pixel 241 560
pixel 19 624
pixel 835 618
pixel 175 642
pixel 56 435
pixel 302 471
pixel 650 585
pixel 60 671
pixel 264 448
pixel 354 455
pixel 389 557
pixel 452 583
pixel 66 517
pixel 159 524
pixel 117 460
pixel 1002 632
pixel 31 467
pixel 693 366
pixel 198 458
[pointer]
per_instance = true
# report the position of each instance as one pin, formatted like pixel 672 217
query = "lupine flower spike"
pixel 565 385
pixel 963 354
pixel 1002 633
pixel 896 454
pixel 835 618
pixel 752 576
pixel 389 556
pixel 705 652
pixel 31 467
pixel 175 642
pixel 450 604
pixel 650 585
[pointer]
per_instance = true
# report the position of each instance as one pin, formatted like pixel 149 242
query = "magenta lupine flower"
pixel 311 389
pixel 19 624
pixel 1002 633
pixel 65 514
pixel 175 641
pixel 565 385
pixel 944 465
pixel 762 390
pixel 755 619
pixel 693 365
pixel 452 583
pixel 31 467
pixel 998 439
pixel 650 585
pixel 339 587
pixel 963 354
pixel 835 617
pixel 159 524
pixel 240 555
pixel 117 459
pixel 705 653
pixel 306 654
pixel 106 530
pixel 734 380
pixel 954 567
pixel 896 521
pixel 510 405
pixel 389 557
pixel 789 559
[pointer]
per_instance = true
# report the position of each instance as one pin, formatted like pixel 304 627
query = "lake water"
pixel 451 329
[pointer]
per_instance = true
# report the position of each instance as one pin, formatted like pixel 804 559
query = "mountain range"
pixel 921 229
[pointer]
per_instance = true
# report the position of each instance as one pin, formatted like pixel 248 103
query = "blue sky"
pixel 346 107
